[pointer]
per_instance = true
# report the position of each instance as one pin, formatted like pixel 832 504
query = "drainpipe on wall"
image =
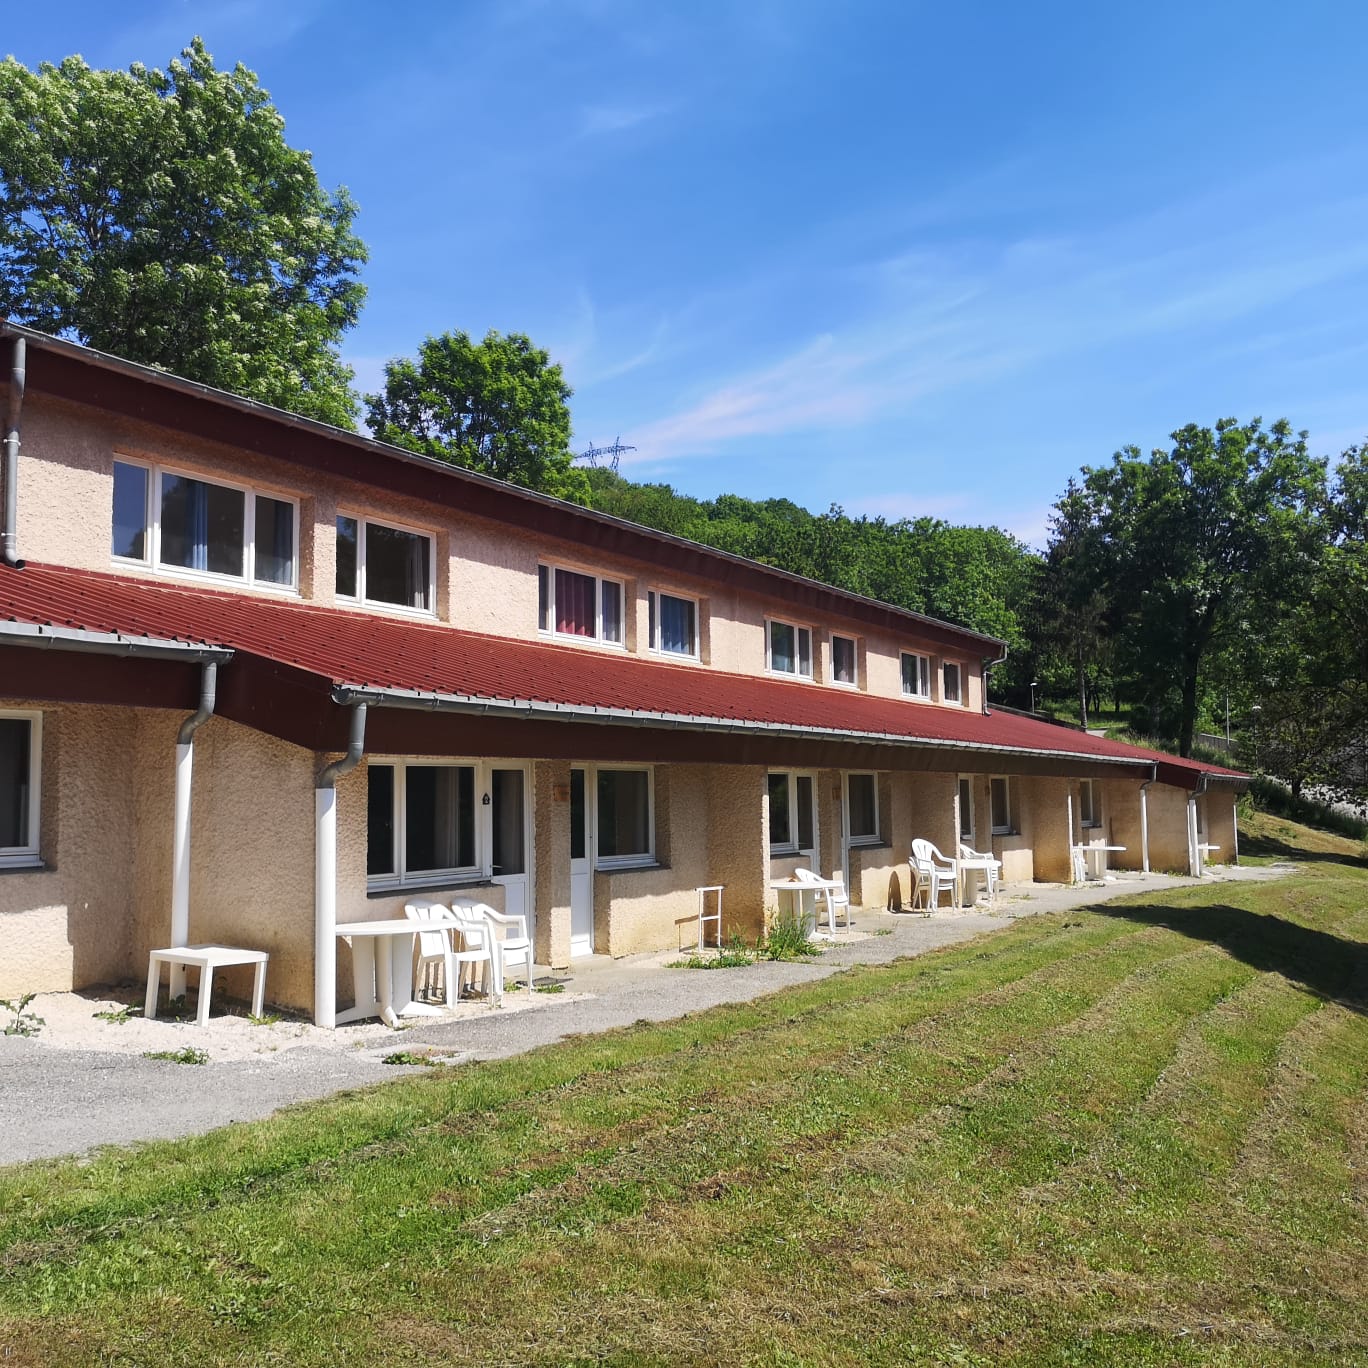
pixel 325 871
pixel 989 665
pixel 9 524
pixel 1068 799
pixel 1144 819
pixel 180 838
pixel 1194 851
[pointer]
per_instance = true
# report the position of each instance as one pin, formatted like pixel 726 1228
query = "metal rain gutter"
pixel 530 709
pixel 9 521
pixel 106 643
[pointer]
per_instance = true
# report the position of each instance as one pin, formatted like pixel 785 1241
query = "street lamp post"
pixel 1035 684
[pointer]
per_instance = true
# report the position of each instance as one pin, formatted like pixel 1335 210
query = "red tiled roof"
pixel 372 651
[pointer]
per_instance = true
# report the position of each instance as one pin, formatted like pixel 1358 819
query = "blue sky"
pixel 907 258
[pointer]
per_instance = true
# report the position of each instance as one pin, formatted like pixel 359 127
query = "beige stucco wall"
pixel 1218 813
pixel 1168 840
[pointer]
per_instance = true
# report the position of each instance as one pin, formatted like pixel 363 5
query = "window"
pixel 1089 810
pixel 791 828
pixel 674 624
pixel 950 673
pixel 843 667
pixel 966 811
pixel 625 818
pixel 377 563
pixel 179 523
pixel 788 649
pixel 862 809
pixel 1001 798
pixel 573 604
pixel 916 675
pixel 20 751
pixel 422 825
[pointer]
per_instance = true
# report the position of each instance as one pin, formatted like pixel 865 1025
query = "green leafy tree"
pixel 163 217
pixel 1197 540
pixel 496 406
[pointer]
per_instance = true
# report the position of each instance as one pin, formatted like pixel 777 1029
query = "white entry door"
pixel 508 843
pixel 581 865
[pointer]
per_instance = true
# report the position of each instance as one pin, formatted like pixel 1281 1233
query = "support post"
pixel 325 871
pixel 180 832
pixel 1144 828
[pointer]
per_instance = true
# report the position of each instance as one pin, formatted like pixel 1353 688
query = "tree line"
pixel 162 216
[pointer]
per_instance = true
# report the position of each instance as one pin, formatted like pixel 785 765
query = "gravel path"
pixel 84 1081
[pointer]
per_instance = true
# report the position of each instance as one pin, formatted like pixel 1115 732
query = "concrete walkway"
pixel 64 1101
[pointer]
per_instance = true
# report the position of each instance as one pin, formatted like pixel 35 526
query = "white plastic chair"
pixel 994 867
pixel 933 873
pixel 510 943
pixel 434 947
pixel 477 939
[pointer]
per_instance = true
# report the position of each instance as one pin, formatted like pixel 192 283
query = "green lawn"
pixel 1131 1136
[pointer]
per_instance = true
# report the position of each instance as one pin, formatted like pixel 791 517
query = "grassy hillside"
pixel 1135 1135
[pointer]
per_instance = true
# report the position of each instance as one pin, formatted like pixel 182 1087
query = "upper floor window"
pixel 862 809
pixel 1002 800
pixel 1089 810
pixel 20 801
pixel 791 824
pixel 570 603
pixel 788 648
pixel 674 623
pixel 950 675
pixel 180 523
pixel 843 661
pixel 916 675
pixel 377 563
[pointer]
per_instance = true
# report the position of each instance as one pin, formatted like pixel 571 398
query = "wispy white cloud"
pixel 601 120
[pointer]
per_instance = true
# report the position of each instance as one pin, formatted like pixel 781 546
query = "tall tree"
pixel 496 406
pixel 163 217
pixel 1198 538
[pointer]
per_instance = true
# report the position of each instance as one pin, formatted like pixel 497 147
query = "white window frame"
pixel 482 870
pixel 360 599
pixel 1011 828
pixel 27 856
pixel 855 661
pixel 1094 818
pixel 646 860
pixel 869 839
pixel 153 530
pixel 966 781
pixel 922 670
pixel 546 623
pixel 797 672
pixel 653 597
pixel 946 666
pixel 791 846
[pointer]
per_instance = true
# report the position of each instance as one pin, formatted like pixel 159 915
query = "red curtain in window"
pixel 575 603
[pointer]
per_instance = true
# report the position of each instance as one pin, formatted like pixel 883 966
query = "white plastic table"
pixel 1095 858
pixel 205 958
pixel 382 980
pixel 796 888
pixel 980 864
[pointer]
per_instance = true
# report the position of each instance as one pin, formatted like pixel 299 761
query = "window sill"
pixel 453 883
pixel 856 843
pixel 385 609
pixel 24 865
pixel 180 574
pixel 634 867
pixel 574 639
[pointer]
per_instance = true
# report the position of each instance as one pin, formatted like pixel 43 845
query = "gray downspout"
pixel 988 667
pixel 9 536
pixel 180 831
pixel 325 870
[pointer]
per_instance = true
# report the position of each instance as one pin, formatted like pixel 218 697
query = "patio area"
pixel 86 1079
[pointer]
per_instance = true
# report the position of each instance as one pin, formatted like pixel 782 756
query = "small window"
pixel 951 678
pixel 1089 813
pixel 385 565
pixel 1001 798
pixel 791 824
pixel 843 657
pixel 673 624
pixel 916 675
pixel 421 822
pixel 862 808
pixel 626 834
pixel 181 523
pixel 966 811
pixel 20 753
pixel 789 649
pixel 574 604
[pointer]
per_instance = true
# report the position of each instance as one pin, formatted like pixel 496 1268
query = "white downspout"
pixel 1194 845
pixel 9 481
pixel 180 831
pixel 1144 819
pixel 1235 831
pixel 325 871
pixel 1068 799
